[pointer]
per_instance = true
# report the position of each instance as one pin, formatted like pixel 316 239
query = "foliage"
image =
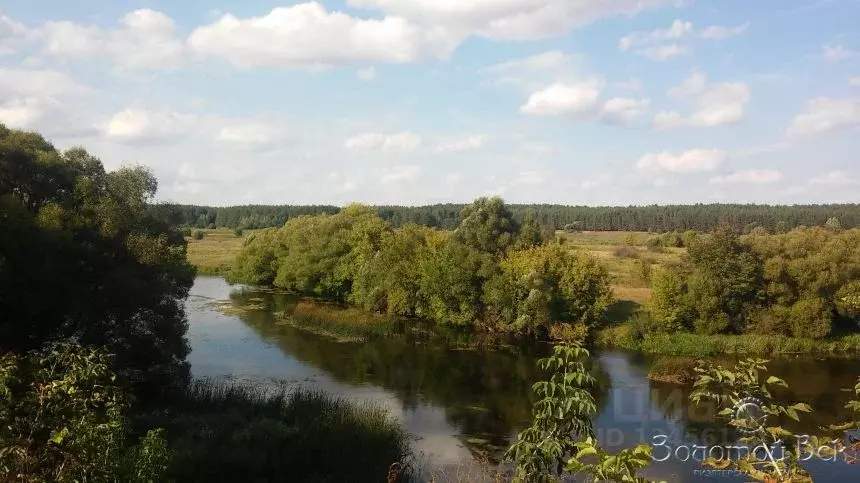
pixel 487 226
pixel 562 414
pixel 62 418
pixel 84 260
pixel 197 235
pixel 561 436
pixel 728 389
pixel 246 433
pixel 799 284
pixel 653 218
pixel 544 285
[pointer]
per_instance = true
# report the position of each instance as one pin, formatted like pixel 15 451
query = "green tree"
pixel 108 272
pixel 487 226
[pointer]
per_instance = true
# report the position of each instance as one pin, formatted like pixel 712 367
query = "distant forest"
pixel 653 218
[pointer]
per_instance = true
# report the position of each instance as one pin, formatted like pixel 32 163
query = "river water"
pixel 463 405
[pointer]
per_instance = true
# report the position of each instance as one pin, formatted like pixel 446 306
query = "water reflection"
pixel 461 403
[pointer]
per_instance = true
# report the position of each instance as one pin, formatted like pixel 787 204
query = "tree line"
pixel 490 271
pixel 652 218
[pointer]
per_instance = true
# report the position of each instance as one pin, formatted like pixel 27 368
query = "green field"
pixel 215 253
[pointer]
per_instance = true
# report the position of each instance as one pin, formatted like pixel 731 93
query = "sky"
pixel 595 102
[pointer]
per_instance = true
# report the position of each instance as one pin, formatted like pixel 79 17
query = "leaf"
pixel 57 437
pixel 775 381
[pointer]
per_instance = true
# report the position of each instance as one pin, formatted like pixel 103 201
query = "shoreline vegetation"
pixel 756 315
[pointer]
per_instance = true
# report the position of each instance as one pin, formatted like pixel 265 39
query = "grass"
pixel 342 323
pixel 215 253
pixel 605 237
pixel 220 432
pixel 628 336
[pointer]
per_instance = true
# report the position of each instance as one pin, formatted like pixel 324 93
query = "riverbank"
pixel 628 337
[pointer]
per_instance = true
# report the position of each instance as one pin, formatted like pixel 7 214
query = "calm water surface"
pixel 465 404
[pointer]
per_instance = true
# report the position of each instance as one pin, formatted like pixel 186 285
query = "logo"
pixel 748 411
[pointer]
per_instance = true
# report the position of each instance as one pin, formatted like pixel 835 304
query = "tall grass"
pixel 343 323
pixel 221 432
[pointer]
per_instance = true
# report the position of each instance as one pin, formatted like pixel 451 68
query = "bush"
pixel 211 226
pixel 63 419
pixel 237 232
pixel 197 235
pixel 625 251
pixel 810 318
pixel 645 268
pixel 654 242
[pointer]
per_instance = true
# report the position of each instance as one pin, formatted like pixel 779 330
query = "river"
pixel 463 405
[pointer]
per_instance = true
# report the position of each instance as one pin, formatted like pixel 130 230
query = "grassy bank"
pixel 628 336
pixel 237 433
pixel 342 323
pixel 215 253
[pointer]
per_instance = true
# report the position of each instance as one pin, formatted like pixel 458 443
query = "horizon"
pixel 416 103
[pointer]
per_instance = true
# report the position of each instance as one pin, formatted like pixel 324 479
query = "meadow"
pixel 215 253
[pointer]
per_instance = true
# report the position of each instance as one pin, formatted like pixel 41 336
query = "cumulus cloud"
pixel 307 35
pixel 720 32
pixel 510 19
pixel 677 30
pixel 402 142
pixel 552 60
pixel 137 125
pixel 836 53
pixel 624 110
pixel 573 100
pixel 714 104
pixel 461 145
pixel 12 35
pixel 824 115
pixel 754 176
pixel 145 39
pixel 660 44
pixel 694 160
pixel 27 96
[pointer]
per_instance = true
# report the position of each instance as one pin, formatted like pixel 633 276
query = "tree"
pixel 487 226
pixel 109 273
pixel 833 223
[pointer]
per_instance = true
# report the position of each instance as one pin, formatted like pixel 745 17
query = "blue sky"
pixel 425 101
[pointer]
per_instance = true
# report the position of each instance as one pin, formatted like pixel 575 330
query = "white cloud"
pixel 687 162
pixel 825 115
pixel 404 142
pixel 367 74
pixel 835 178
pixel 854 81
pixel 28 96
pixel 677 30
pixel 664 52
pixel 307 35
pixel 624 110
pixel 540 62
pixel 538 149
pixel 564 99
pixel 755 176
pixel 136 125
pixel 714 104
pixel 145 39
pixel 720 32
pixel 469 144
pixel 12 35
pixel 836 53
pixel 510 19
pixel 404 173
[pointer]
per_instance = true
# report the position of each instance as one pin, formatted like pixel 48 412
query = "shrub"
pixel 848 300
pixel 238 232
pixel 645 268
pixel 625 251
pixel 197 235
pixel 63 419
pixel 211 226
pixel 669 303
pixel 810 318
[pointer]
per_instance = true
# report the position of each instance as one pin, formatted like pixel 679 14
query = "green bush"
pixel 238 232
pixel 810 318
pixel 197 235
pixel 62 418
